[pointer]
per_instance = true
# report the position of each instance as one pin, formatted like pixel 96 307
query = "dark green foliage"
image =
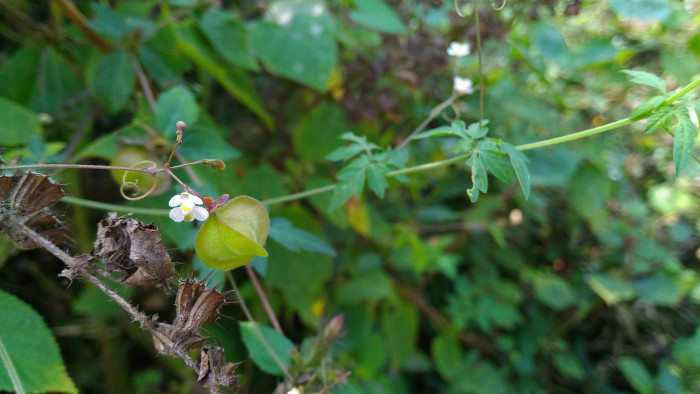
pixel 588 280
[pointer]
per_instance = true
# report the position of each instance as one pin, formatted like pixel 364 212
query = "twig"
pixel 136 315
pixel 433 113
pixel 249 316
pixel 263 298
pixel 78 19
pixel 143 81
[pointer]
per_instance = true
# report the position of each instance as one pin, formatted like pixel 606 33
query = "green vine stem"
pixel 313 192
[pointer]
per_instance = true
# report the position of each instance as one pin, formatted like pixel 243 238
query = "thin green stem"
pixel 575 136
pixel 433 113
pixel 80 167
pixel 114 207
pixel 249 316
pixel 481 68
pixel 298 196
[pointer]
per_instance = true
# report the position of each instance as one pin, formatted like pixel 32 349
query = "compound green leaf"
pixel 31 360
pixel 683 142
pixel 646 78
pixel 495 162
pixel 259 353
pixel 376 179
pixel 643 109
pixel 658 120
pixel 519 162
pixel 234 234
pixel 480 180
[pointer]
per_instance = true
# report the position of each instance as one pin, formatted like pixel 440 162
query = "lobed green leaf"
pixel 646 78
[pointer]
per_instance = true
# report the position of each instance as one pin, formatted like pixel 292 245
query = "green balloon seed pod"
pixel 234 234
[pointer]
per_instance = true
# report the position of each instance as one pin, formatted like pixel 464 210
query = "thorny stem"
pixel 249 316
pixel 263 298
pixel 136 315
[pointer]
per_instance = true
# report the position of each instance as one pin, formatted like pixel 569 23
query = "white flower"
pixel 294 390
pixel 186 208
pixel 463 85
pixel 458 49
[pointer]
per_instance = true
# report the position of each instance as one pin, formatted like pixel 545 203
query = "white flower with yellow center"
pixel 186 208
pixel 458 49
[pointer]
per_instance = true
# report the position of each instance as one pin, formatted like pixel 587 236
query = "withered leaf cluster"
pixel 195 306
pixel 25 198
pixel 133 249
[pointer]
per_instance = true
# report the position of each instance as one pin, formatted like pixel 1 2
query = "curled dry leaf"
pixel 133 249
pixel 25 199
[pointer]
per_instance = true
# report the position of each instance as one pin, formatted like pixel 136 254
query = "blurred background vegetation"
pixel 591 285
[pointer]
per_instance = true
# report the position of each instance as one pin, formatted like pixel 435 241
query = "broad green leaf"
pixel 376 179
pixel 437 132
pixel 480 180
pixel 352 181
pixel 644 109
pixel 549 42
pixel 18 74
pixel 303 51
pixel 660 289
pixel 374 285
pixel 316 134
pixel 233 234
pixel 111 78
pixel 636 374
pixel 18 125
pixel 229 37
pixel 646 78
pixel 569 365
pixel 235 81
pixel 519 162
pixel 378 16
pixel 611 289
pixel 553 291
pixel 177 104
pixel 684 137
pixel 495 162
pixel 280 345
pixel 205 142
pixel 447 353
pixel 157 67
pixel 658 120
pixel 57 84
pixel 108 22
pixel 399 325
pixel 30 356
pixel 642 9
pixel 294 239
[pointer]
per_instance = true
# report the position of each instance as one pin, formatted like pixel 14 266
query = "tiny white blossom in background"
pixel 186 208
pixel 293 391
pixel 463 85
pixel 458 49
